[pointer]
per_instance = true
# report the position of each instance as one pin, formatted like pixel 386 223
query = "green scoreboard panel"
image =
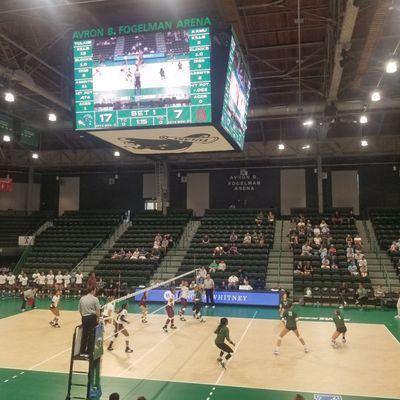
pixel 236 95
pixel 147 78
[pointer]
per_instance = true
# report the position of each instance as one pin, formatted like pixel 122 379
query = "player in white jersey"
pixel 41 282
pixel 78 280
pixel 10 282
pixel 24 281
pixel 184 294
pixel 3 280
pixel 35 277
pixel 120 327
pixel 54 309
pixel 67 281
pixel 108 311
pixel 169 309
pixel 50 280
pixel 59 280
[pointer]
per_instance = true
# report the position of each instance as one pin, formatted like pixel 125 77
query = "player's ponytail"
pixel 223 322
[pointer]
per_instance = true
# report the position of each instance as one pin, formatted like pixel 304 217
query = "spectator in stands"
pixel 262 240
pixel 223 286
pixel 142 253
pixel 393 248
pixel 352 268
pixel 362 296
pixel 221 266
pixel 234 250
pixel 357 241
pixel 135 254
pixel 325 264
pixel 121 253
pixel 212 267
pixel 349 253
pixel 233 282
pixel 225 249
pixel 254 237
pixel 323 225
pixel 334 262
pixel 299 269
pixel 218 251
pixel 233 237
pixel 164 244
pixel 317 230
pixel 258 284
pixel 325 231
pixel 363 271
pixel 205 240
pixel 158 237
pixel 358 255
pixel 323 252
pixel 115 256
pixel 128 255
pixel 351 218
pixel 337 219
pixel 317 240
pixel 209 287
pixel 380 294
pixel 349 240
pixel 306 249
pixel 247 239
pixel 246 285
pixel 343 293
pixel 294 240
pixel 271 218
pixel 259 219
pixel 308 270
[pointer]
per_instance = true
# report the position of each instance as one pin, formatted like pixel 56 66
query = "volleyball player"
pixel 50 280
pixel 41 282
pixel 198 303
pixel 222 333
pixel 340 328
pixel 54 309
pixel 59 280
pixel 290 319
pixel 169 309
pixel 283 303
pixel 10 282
pixel 120 327
pixel 78 281
pixel 67 282
pixel 143 308
pixel 184 294
pixel 109 310
pixel 3 280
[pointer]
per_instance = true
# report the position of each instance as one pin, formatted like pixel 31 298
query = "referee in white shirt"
pixel 89 308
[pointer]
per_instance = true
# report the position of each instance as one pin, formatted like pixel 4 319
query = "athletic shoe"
pixel 397 316
pixel 341 306
pixel 22 309
pixel 305 350
pixel 128 350
pixel 56 326
pixel 165 329
pixel 276 352
pixel 334 345
pixel 202 320
pixel 219 359
pixel 182 319
pixel 51 323
pixel 173 327
pixel 344 340
pixel 206 306
pixel 110 348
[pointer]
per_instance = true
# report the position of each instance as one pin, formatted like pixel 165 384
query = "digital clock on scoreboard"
pixel 143 80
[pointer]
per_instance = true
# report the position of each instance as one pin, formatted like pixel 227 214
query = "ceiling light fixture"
pixel 8 96
pixel 391 67
pixel 117 153
pixel 364 143
pixel 281 146
pixel 375 96
pixel 306 147
pixel 35 156
pixel 308 122
pixel 52 117
pixel 363 119
pixel 6 138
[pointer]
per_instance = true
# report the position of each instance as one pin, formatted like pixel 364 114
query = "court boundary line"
pixel 391 334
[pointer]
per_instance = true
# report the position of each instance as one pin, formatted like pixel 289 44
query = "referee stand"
pixel 93 386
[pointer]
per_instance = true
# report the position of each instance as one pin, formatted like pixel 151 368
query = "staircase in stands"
pixel 380 267
pixel 91 261
pixel 280 264
pixel 172 261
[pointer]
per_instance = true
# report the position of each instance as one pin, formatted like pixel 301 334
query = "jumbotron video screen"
pixel 144 79
pixel 236 96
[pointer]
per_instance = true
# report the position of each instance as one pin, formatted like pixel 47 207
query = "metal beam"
pixel 343 44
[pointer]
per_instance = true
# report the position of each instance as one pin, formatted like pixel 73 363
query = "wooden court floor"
pixel 368 365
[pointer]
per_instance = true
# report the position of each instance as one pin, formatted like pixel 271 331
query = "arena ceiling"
pixel 319 58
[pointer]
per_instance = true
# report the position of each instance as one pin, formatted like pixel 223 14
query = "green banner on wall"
pixel 29 136
pixel 6 124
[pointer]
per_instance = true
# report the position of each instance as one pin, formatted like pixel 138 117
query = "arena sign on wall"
pixel 244 181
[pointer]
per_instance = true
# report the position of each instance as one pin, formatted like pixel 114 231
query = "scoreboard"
pixel 166 84
pixel 162 87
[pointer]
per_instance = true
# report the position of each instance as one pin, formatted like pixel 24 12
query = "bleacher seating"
pixel 386 225
pixel 218 225
pixel 325 283
pixel 141 234
pixel 147 44
pixel 70 238
pixel 104 49
pixel 14 224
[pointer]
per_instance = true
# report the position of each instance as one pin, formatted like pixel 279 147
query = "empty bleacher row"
pixel 218 226
pixel 72 236
pixel 14 224
pixel 140 235
pixel 325 283
pixel 386 225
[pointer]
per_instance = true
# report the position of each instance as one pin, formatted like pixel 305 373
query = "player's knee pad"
pixel 279 337
pixel 183 309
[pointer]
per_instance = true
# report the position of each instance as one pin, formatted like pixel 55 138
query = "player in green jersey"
pixel 289 318
pixel 340 328
pixel 222 333
pixel 198 303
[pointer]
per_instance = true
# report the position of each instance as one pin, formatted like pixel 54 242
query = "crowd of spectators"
pixel 160 247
